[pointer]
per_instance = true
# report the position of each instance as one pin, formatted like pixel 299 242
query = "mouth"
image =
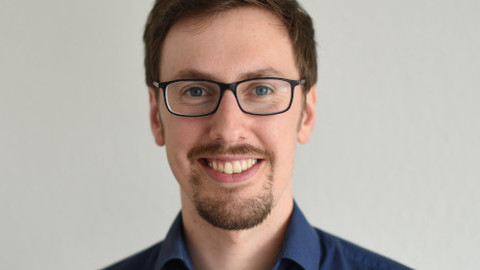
pixel 231 165
pixel 236 166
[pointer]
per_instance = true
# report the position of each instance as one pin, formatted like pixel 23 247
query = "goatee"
pixel 229 210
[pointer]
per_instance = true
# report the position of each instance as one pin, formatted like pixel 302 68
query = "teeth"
pixel 237 166
pixel 220 167
pixel 228 169
pixel 244 165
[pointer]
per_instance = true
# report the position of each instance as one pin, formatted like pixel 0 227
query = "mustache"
pixel 218 149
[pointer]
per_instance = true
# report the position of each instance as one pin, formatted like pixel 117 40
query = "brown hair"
pixel 166 12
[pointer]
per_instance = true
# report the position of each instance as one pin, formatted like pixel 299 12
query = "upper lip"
pixel 230 158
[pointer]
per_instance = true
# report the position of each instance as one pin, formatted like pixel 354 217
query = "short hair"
pixel 298 23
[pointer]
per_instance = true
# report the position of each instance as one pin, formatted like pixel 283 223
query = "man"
pixel 231 86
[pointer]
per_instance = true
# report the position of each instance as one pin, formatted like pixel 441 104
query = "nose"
pixel 228 123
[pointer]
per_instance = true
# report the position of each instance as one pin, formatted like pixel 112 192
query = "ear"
pixel 155 121
pixel 308 119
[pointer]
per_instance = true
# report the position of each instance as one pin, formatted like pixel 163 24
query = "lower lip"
pixel 231 178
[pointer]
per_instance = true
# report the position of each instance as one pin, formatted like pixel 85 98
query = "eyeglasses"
pixel 258 96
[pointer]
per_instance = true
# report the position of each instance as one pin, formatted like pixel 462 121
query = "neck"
pixel 256 248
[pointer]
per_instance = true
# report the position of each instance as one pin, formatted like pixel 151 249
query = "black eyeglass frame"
pixel 223 87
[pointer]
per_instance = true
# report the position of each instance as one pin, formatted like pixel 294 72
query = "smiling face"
pixel 233 168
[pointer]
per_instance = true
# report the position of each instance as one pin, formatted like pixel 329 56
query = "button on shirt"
pixel 304 247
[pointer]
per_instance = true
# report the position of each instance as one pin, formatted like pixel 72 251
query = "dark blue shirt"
pixel 304 247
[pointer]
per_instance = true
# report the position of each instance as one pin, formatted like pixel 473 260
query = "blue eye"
pixel 195 91
pixel 262 90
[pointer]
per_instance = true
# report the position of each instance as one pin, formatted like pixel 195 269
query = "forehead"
pixel 228 44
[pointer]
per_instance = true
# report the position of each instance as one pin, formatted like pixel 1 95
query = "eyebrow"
pixel 257 73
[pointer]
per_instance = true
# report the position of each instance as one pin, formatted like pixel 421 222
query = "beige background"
pixel 393 165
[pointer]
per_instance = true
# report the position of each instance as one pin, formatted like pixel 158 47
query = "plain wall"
pixel 393 163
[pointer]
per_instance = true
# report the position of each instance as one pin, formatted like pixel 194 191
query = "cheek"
pixel 280 138
pixel 179 132
pixel 278 134
pixel 285 138
pixel 180 137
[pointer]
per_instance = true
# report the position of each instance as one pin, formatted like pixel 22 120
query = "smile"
pixel 231 167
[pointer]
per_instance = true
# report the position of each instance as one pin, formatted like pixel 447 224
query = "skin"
pixel 227 47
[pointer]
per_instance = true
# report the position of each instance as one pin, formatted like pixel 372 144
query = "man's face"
pixel 238 44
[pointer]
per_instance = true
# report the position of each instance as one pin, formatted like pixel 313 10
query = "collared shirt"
pixel 304 247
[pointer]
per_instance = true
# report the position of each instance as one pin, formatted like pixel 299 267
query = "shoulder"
pixel 144 259
pixel 342 254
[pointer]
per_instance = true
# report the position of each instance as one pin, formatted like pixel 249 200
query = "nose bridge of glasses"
pixel 228 86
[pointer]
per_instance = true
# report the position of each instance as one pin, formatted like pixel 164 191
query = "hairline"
pixel 207 17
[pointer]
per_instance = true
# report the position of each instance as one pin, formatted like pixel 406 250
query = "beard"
pixel 228 209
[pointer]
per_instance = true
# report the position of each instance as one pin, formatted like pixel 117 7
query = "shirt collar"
pixel 173 247
pixel 301 243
